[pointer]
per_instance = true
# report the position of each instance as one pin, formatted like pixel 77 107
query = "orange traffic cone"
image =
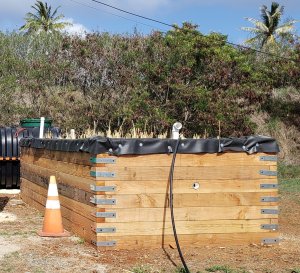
pixel 53 226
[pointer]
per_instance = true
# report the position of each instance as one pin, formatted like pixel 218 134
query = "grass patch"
pixel 80 241
pixel 295 270
pixel 288 171
pixel 289 179
pixel 224 269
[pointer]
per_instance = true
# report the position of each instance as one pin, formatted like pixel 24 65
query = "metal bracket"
pixel 105 230
pixel 103 201
pixel 268 158
pixel 269 211
pixel 269 186
pixel 269 199
pixel 268 173
pixel 107 160
pixel 102 174
pixel 99 214
pixel 269 226
pixel 105 243
pixel 270 241
pixel 102 188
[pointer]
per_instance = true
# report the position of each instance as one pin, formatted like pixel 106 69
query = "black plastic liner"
pixel 142 146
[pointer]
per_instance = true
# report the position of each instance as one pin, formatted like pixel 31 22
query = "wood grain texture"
pixel 58 166
pixel 190 160
pixel 187 186
pixel 81 158
pixel 186 241
pixel 189 214
pixel 188 200
pixel 182 173
pixel 61 177
pixel 186 227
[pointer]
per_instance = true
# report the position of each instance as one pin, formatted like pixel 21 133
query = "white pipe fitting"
pixel 175 130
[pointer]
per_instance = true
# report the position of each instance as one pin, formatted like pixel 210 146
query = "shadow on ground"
pixel 3 202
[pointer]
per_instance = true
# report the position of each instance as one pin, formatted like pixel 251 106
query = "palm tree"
pixel 268 32
pixel 43 19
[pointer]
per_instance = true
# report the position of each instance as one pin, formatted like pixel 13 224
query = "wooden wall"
pixel 234 204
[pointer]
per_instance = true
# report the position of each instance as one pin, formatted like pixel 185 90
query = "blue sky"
pixel 225 16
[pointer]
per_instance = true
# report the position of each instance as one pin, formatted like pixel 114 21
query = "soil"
pixel 21 250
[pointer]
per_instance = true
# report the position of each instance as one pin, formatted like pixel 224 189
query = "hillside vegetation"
pixel 115 82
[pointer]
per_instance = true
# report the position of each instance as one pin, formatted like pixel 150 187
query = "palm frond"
pixel 258 24
pixel 252 29
pixel 284 29
pixel 275 7
pixel 256 41
pixel 264 15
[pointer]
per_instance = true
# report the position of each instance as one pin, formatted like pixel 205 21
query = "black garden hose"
pixel 171 207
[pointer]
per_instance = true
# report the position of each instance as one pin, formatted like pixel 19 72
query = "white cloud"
pixel 75 29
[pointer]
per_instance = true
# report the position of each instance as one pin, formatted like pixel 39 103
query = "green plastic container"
pixel 35 122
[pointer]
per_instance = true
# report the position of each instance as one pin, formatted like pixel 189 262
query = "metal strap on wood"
pixel 99 214
pixel 268 172
pixel 102 174
pixel 269 199
pixel 102 188
pixel 270 241
pixel 104 243
pixel 269 226
pixel 269 211
pixel 105 230
pixel 97 201
pixel 103 160
pixel 269 186
pixel 268 158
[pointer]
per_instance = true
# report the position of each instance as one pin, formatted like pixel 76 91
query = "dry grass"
pixel 288 138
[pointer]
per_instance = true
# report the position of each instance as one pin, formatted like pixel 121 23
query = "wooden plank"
pixel 65 178
pixel 81 231
pixel 188 200
pixel 58 166
pixel 82 158
pixel 187 186
pixel 190 160
pixel 185 227
pixel 187 241
pixel 162 173
pixel 63 189
pixel 32 203
pixel 189 214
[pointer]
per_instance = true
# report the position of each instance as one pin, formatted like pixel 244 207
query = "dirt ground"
pixel 21 250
